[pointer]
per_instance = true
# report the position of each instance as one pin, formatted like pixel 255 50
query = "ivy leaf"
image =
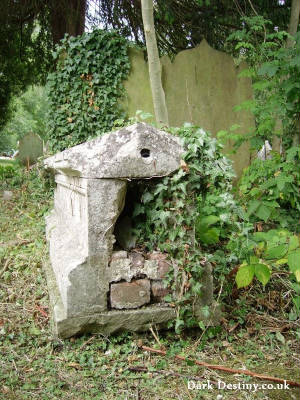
pixel 179 325
pixel 163 216
pixel 244 275
pixel 138 209
pixel 173 234
pixel 147 197
pixel 262 273
pixel 268 69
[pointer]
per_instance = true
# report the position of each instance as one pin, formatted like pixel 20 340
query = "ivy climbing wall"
pixel 85 88
pixel 201 86
pixel 100 79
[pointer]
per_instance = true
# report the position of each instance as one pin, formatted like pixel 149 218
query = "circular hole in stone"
pixel 145 153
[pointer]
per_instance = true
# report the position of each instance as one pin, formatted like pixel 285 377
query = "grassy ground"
pixel 255 334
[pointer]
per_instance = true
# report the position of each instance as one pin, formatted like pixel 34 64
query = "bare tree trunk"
pixel 67 16
pixel 294 21
pixel 293 25
pixel 158 95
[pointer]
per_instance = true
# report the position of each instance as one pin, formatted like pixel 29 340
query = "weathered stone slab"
pixel 121 154
pixel 80 242
pixel 130 295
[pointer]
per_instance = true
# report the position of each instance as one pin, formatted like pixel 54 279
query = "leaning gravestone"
pixel 93 285
pixel 30 148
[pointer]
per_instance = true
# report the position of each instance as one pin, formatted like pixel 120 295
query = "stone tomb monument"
pixel 92 286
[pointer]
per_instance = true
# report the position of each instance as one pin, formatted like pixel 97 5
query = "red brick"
pixel 158 291
pixel 130 294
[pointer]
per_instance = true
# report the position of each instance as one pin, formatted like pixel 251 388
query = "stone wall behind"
pixel 201 87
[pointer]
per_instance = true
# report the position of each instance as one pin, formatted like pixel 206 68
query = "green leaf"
pixel 179 325
pixel 244 275
pixel 190 363
pixel 260 236
pixel 280 337
pixel 147 196
pixel 294 243
pixel 268 69
pixel 209 220
pixel 263 212
pixel 33 330
pixel 138 209
pixel 281 261
pixel 262 273
pixel 294 263
pixel 253 206
pixel 202 325
pixel 276 252
pixel 211 236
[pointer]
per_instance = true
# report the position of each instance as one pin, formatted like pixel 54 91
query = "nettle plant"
pixel 85 89
pixel 188 213
pixel 267 252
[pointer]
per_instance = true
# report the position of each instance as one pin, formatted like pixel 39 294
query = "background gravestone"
pixel 30 148
pixel 202 86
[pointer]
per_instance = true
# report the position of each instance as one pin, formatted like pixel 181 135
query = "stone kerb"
pixel 92 286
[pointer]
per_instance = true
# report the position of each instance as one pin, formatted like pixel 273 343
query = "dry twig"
pixel 227 369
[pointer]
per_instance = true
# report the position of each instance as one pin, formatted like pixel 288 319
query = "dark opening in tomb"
pixel 145 153
pixel 125 227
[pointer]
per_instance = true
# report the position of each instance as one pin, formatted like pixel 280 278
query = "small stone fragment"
pixel 116 255
pixel 163 263
pixel 137 260
pixel 7 195
pixel 151 269
pixel 120 269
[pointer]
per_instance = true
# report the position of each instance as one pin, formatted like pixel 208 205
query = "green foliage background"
pixel 85 89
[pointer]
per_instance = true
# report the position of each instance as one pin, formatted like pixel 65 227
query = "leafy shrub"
pixel 266 252
pixel 173 214
pixel 29 115
pixel 274 69
pixel 36 181
pixel 269 189
pixel 85 89
pixel 10 175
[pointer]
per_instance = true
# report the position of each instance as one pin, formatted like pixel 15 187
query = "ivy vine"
pixel 187 215
pixel 85 89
